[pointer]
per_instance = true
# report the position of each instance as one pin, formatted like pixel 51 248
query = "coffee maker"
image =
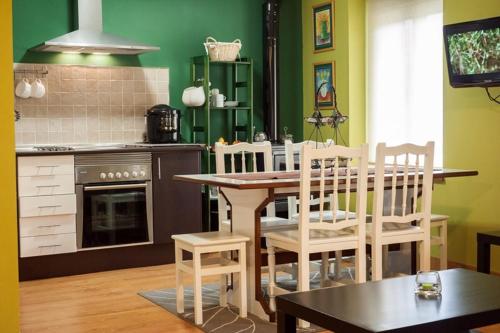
pixel 163 124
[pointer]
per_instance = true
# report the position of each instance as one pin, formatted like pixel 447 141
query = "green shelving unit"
pixel 234 79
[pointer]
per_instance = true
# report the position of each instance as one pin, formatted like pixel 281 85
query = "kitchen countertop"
pixel 29 150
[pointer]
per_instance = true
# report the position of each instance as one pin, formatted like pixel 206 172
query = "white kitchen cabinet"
pixel 47 205
pixel 46 165
pixel 47 225
pixel 46 185
pixel 49 244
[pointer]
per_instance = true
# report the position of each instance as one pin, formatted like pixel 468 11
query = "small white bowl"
pixel 231 103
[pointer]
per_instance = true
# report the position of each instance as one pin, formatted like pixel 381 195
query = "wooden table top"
pixel 277 179
pixel 469 300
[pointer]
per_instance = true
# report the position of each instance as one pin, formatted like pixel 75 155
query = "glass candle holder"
pixel 428 284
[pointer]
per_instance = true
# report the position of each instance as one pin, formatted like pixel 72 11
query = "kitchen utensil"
pixel 23 88
pixel 219 100
pixel 231 103
pixel 37 89
pixel 193 96
pixel 260 137
pixel 163 124
pixel 286 136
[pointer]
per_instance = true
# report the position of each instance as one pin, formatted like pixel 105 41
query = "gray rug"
pixel 215 318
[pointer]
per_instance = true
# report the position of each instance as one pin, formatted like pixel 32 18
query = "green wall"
pixel 471 141
pixel 349 59
pixel 179 27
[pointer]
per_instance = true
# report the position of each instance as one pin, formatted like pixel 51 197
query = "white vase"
pixel 193 96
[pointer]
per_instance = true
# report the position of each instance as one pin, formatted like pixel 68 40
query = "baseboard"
pixel 453 264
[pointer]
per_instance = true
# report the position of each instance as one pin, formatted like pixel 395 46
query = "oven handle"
pixel 113 187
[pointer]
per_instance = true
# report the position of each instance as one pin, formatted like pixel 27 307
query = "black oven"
pixel 114 202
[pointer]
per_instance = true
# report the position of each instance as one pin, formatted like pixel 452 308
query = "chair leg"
pixel 360 263
pixel 271 264
pixel 223 284
pixel 303 281
pixel 443 234
pixel 385 261
pixel 425 253
pixel 178 280
pixel 198 309
pixel 325 265
pixel 376 262
pixel 338 264
pixel 243 280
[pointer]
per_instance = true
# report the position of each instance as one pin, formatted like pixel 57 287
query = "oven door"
pixel 114 215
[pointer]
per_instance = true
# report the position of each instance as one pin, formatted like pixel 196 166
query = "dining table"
pixel 249 193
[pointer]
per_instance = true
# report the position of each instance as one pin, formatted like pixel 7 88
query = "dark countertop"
pixel 118 148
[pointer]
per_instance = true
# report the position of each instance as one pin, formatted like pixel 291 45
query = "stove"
pixel 53 148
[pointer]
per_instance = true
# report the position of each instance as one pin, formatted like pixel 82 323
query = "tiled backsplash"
pixel 90 104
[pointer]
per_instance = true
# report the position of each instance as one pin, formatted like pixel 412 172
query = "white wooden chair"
pixel 209 242
pixel 291 149
pixel 323 236
pixel 269 222
pixel 411 169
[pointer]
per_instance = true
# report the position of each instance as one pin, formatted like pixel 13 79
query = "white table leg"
pixel 243 206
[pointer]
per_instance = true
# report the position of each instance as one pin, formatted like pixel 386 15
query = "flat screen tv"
pixel 473 53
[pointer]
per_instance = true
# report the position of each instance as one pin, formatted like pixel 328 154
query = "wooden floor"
pixel 104 302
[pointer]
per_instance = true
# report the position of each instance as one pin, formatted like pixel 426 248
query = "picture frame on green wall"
pixel 324 76
pixel 324 27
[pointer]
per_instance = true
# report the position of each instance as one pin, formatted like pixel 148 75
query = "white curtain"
pixel 405 73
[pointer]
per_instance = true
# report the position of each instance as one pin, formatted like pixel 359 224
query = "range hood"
pixel 89 38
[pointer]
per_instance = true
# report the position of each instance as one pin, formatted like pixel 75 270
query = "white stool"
pixel 441 223
pixel 210 242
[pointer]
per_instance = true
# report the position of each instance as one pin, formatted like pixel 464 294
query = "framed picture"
pixel 324 77
pixel 323 20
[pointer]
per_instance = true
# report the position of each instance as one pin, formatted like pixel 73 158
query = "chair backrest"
pixel 333 177
pixel 240 152
pixel 409 169
pixel 290 150
pixel 242 149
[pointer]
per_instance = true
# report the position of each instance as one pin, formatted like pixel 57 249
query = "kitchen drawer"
pixel 46 185
pixel 45 245
pixel 47 225
pixel 47 205
pixel 45 165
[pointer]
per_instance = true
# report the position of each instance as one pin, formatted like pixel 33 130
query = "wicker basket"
pixel 220 51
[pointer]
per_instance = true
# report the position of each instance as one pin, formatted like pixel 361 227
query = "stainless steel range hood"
pixel 89 38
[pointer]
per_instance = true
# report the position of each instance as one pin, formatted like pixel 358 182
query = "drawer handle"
pixel 47 166
pixel 53 206
pixel 49 226
pixel 47 186
pixel 48 246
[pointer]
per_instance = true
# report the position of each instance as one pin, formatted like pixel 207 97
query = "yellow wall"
pixel 9 287
pixel 471 141
pixel 349 59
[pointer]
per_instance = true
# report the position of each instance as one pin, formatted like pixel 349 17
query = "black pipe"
pixel 271 69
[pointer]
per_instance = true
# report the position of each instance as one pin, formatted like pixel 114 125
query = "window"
pixel 405 73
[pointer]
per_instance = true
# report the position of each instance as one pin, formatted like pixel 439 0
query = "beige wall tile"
pixel 90 104
pixel 116 86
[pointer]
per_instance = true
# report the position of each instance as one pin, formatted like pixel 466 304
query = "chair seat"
pixel 327 216
pixel 210 238
pixel 271 223
pixel 316 236
pixel 394 229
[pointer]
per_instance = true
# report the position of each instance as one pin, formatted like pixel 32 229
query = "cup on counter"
pixel 219 101
pixel 37 89
pixel 23 88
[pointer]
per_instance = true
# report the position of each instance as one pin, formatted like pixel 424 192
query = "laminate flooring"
pixel 105 302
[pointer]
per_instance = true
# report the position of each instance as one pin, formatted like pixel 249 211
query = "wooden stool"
pixel 210 242
pixel 441 223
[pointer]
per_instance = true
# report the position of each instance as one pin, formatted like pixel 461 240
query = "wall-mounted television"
pixel 473 53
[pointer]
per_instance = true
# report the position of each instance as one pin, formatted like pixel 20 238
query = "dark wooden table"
pixel 469 300
pixel 484 242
